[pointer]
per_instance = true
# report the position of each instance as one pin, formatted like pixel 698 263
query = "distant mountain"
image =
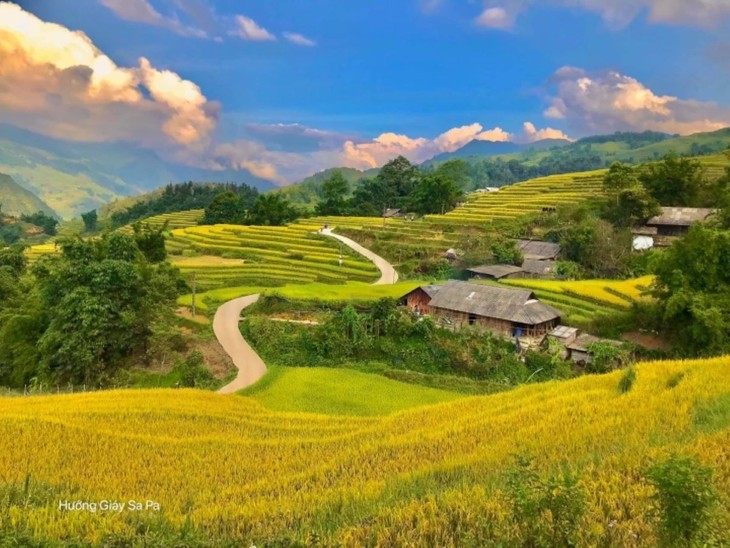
pixel 75 177
pixel 496 148
pixel 16 200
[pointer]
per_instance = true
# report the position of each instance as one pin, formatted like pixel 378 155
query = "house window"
pixel 472 319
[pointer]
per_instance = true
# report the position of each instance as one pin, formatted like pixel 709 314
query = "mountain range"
pixel 16 200
pixel 73 177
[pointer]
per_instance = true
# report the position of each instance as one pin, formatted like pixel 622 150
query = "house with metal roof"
pixel 539 250
pixel 503 311
pixel 494 272
pixel 671 223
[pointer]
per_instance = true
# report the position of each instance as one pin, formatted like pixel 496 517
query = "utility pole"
pixel 193 307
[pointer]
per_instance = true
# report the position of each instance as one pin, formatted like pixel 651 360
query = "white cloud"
pixel 610 101
pixel 57 82
pixel 531 134
pixel 497 17
pixel 141 11
pixel 299 39
pixel 248 29
pixel 501 14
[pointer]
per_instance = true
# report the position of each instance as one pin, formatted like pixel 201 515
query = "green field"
pixel 339 392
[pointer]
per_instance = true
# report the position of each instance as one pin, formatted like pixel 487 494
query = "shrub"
pixel 684 495
pixel 627 380
pixel 193 373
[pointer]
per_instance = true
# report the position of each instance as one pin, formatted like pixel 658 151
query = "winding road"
pixel 226 322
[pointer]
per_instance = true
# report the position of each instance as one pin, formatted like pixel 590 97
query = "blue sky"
pixel 288 87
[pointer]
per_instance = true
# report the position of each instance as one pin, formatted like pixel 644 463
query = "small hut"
pixel 494 272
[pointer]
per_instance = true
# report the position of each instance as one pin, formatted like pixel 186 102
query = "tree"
pixel 633 207
pixel 151 242
pixel 458 171
pixel 619 178
pixel 224 209
pixel 334 191
pixel 674 181
pixel 40 219
pixel 434 193
pixel 91 220
pixel 271 210
pixel 693 290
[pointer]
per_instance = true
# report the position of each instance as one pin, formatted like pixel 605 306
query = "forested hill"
pixel 490 164
pixel 17 201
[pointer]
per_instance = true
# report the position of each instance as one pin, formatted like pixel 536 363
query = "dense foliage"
pixel 249 209
pixel 79 316
pixel 182 197
pixel 42 220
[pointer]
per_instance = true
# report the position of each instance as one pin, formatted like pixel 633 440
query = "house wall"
pixel 460 320
pixel 418 302
pixel 671 230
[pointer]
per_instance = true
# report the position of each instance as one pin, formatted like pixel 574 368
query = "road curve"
pixel 227 318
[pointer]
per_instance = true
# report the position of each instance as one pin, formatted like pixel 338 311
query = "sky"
pixel 287 88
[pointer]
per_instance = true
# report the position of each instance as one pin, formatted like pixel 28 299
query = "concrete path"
pixel 388 275
pixel 227 330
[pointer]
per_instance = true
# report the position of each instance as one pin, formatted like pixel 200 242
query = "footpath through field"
pixel 226 323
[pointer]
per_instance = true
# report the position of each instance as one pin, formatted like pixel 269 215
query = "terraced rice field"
pixel 584 300
pixel 233 255
pixel 528 198
pixel 180 219
pixel 238 474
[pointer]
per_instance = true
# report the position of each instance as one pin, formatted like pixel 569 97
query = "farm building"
pixel 392 214
pixel 673 222
pixel 578 349
pixel 417 300
pixel 508 312
pixel 539 250
pixel 494 272
pixel 533 268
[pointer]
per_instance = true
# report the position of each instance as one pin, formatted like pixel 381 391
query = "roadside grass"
pixel 331 391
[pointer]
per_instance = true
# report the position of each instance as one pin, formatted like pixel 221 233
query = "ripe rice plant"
pixel 229 470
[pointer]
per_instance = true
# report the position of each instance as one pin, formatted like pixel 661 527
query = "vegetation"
pixel 339 392
pixel 438 475
pixel 80 315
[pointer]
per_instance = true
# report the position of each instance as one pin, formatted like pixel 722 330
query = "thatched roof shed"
pixel 519 306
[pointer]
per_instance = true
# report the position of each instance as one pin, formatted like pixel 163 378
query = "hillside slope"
pixel 17 201
pixel 234 471
pixel 76 177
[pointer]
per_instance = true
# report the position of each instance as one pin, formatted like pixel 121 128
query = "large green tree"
pixel 334 195
pixel 693 290
pixel 675 181
pixel 435 193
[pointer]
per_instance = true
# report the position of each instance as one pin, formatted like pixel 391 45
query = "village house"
pixel 576 344
pixel 417 300
pixel 538 250
pixel 671 223
pixel 494 272
pixel 502 311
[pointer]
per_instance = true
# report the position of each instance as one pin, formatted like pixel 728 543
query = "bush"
pixel 547 512
pixel 627 380
pixel 193 373
pixel 684 495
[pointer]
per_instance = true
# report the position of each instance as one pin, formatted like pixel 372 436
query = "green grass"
pixel 339 392
pixel 351 292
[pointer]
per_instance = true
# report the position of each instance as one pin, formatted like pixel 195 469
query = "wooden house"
pixel 537 269
pixel 538 250
pixel 494 272
pixel 671 223
pixel 579 352
pixel 507 312
pixel 417 300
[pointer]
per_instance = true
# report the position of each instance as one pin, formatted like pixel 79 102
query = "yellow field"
pixel 611 292
pixel 430 476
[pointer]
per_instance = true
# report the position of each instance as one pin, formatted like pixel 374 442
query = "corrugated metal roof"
pixel 535 249
pixel 496 270
pixel 514 305
pixel 680 216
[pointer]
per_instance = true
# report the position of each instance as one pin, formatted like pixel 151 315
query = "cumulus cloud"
pixel 611 101
pixel 501 14
pixel 385 147
pixel 531 134
pixel 57 82
pixel 248 29
pixel 299 39
pixel 141 11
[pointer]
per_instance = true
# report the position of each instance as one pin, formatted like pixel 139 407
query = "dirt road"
pixel 226 323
